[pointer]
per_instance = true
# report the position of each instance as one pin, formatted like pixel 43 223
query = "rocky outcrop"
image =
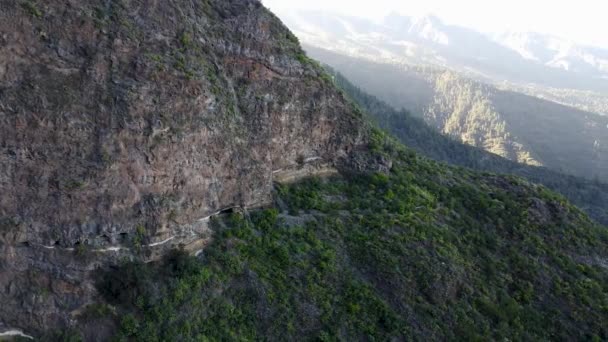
pixel 125 124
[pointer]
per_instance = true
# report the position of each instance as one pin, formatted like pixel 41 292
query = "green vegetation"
pixel 425 252
pixel 31 8
pixel 292 38
pixel 73 185
pixel 302 58
pixel 591 196
pixel 139 236
pixel 70 335
pixel 322 74
pixel 114 19
pixel 185 39
pixel 518 127
pixel 81 249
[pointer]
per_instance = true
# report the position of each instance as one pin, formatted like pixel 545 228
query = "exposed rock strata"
pixel 125 124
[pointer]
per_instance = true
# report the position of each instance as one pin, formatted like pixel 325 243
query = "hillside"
pixel 126 124
pixel 182 171
pixel 591 196
pixel 425 252
pixel 521 58
pixel 587 101
pixel 512 125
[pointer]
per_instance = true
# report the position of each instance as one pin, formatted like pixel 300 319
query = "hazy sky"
pixel 584 21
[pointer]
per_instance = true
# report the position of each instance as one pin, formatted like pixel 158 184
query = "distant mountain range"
pixel 539 65
pixel 557 53
pixel 513 125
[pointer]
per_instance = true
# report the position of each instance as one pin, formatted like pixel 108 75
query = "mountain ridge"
pixel 126 125
pixel 414 132
pixel 516 126
pixel 556 52
pixel 486 57
pixel 178 171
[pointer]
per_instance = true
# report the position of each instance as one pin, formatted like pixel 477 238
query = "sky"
pixel 583 21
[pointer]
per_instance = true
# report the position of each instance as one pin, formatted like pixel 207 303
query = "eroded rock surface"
pixel 125 124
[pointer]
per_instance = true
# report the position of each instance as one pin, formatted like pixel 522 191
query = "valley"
pixel 186 171
pixel 515 126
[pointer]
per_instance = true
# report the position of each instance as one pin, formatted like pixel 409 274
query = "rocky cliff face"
pixel 125 124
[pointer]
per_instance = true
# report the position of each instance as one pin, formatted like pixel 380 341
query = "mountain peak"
pixel 397 20
pixel 426 27
pixel 430 28
pixel 428 19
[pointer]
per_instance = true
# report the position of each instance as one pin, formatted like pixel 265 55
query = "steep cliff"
pixel 130 128
pixel 125 124
pixel 426 252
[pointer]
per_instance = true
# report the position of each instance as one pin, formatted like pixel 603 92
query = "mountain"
pixel 591 196
pixel 556 53
pixel 425 252
pixel 125 125
pixel 570 73
pixel 519 127
pixel 586 101
pixel 179 171
pixel 427 28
